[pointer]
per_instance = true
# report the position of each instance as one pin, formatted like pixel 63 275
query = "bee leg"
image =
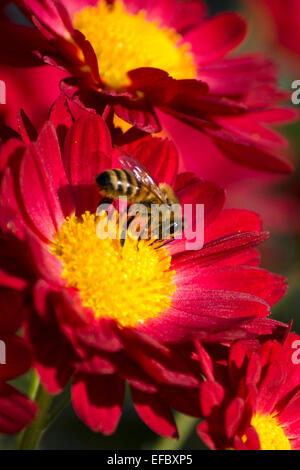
pixel 164 244
pixel 146 229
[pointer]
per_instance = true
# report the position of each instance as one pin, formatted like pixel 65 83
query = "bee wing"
pixel 142 176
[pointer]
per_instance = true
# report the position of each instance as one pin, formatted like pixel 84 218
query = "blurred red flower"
pixel 281 27
pixel 16 410
pixel 110 314
pixel 251 400
pixel 181 69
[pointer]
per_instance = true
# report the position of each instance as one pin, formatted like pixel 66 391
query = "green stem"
pixel 57 410
pixel 34 385
pixel 32 434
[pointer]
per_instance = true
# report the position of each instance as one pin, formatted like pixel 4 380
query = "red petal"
pixel 232 221
pixel 233 416
pixel 251 280
pixel 16 410
pixel 16 355
pixel 12 308
pixel 218 250
pixel 248 153
pixel 98 401
pixel 155 413
pixel 269 388
pixel 61 118
pixel 87 152
pixel 211 395
pixel 52 354
pixel 214 38
pixel 143 119
pixel 42 169
pixel 159 156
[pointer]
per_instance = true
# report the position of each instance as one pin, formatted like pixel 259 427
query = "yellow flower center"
pixel 271 434
pixel 124 41
pixel 129 283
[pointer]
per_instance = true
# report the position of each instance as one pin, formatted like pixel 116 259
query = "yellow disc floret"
pixel 270 432
pixel 129 283
pixel 124 41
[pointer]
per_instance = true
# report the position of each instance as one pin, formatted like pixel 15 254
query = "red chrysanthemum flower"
pixel 281 27
pixel 16 410
pixel 142 57
pixel 251 401
pixel 110 314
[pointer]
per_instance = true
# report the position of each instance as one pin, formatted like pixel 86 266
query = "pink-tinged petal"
pixel 155 413
pixel 158 156
pixel 233 416
pixel 217 250
pixel 87 152
pixel 98 401
pixel 76 5
pixel 218 303
pixel 16 410
pixel 177 326
pixel 277 115
pixel 266 327
pixel 217 36
pixel 187 15
pixel 171 13
pixel 17 357
pixel 211 396
pixel 168 329
pixel 251 127
pixel 234 77
pixel 249 153
pixel 49 13
pixel 42 169
pixel 254 281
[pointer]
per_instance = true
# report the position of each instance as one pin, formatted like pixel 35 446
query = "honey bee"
pixel 135 182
